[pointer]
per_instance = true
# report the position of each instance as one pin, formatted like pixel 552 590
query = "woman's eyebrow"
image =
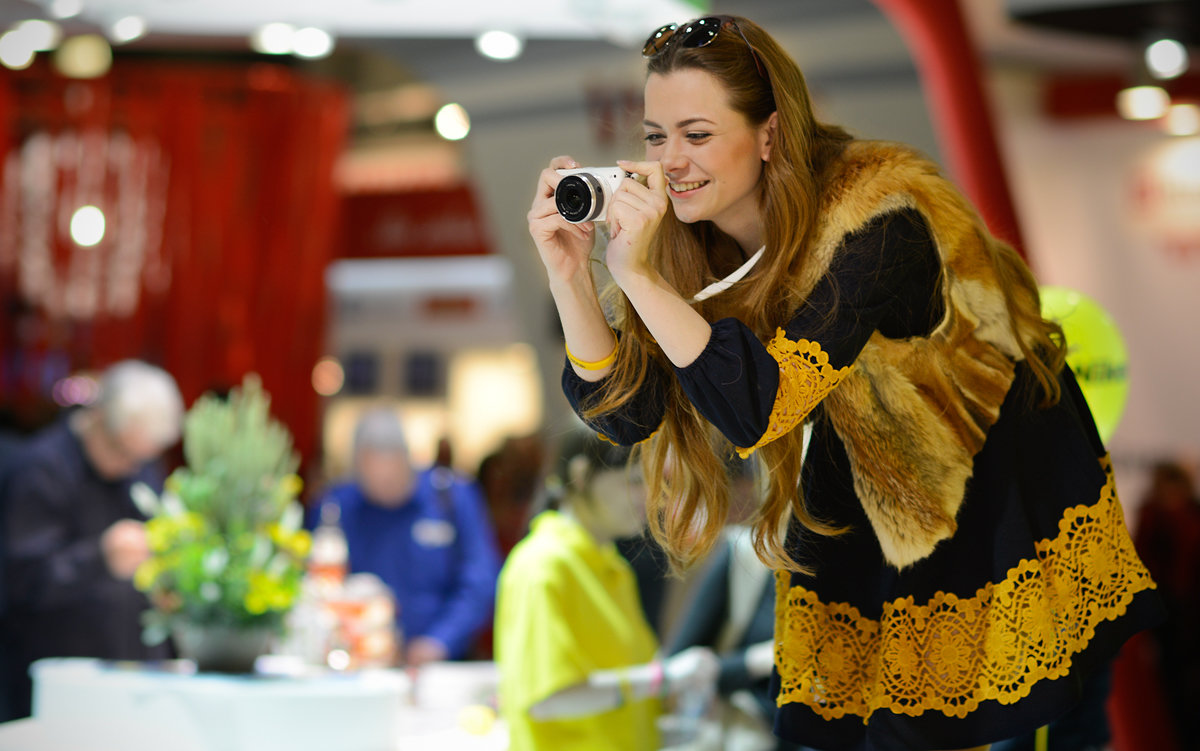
pixel 681 123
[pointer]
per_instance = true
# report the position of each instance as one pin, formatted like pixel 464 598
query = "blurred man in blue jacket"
pixel 426 534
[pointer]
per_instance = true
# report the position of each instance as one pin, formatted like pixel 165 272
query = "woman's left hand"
pixel 633 218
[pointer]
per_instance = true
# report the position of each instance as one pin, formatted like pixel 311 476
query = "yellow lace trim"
pixel 805 378
pixel 952 653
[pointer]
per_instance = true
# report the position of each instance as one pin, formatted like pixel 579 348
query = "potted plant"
pixel 227 545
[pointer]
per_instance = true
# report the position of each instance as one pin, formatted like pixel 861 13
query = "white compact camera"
pixel 583 195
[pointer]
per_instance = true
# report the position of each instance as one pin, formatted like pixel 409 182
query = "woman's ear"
pixel 767 136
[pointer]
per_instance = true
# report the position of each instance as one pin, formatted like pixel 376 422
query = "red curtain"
pixel 217 184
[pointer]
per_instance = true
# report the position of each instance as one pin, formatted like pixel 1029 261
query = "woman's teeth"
pixel 685 187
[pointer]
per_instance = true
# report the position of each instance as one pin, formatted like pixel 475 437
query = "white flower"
pixel 210 591
pixel 292 518
pixel 215 561
pixel 145 499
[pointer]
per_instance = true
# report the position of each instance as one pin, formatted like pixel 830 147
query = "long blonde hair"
pixel 686 460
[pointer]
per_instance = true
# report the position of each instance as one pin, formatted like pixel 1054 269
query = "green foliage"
pixel 226 538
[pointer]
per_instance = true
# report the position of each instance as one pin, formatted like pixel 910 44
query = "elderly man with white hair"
pixel 72 537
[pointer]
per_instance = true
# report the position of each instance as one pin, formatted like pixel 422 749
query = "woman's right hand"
pixel 565 248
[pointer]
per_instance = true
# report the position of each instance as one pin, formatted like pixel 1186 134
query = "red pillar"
pixel 948 63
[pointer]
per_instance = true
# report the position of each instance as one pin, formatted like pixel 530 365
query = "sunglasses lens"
pixel 700 33
pixel 658 40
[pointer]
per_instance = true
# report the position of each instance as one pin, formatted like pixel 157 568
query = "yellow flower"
pixel 147 573
pixel 255 602
pixel 291 485
pixel 296 543
pixel 160 533
pixel 300 544
pixel 193 522
pixel 265 593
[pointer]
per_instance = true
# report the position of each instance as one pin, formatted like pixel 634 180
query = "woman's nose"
pixel 672 160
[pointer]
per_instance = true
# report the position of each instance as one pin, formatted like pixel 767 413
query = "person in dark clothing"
pixel 72 536
pixel 1167 536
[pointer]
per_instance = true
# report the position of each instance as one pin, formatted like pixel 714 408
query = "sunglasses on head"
pixel 693 34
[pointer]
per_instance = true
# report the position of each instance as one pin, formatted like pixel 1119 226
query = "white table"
pixel 90 705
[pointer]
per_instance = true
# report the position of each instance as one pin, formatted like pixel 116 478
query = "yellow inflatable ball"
pixel 1095 352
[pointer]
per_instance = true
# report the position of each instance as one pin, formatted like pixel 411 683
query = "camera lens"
pixel 579 198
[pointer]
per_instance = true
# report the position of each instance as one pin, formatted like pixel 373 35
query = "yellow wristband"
pixel 597 365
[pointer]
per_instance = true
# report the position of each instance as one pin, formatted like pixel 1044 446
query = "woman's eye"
pixel 698 136
pixel 654 138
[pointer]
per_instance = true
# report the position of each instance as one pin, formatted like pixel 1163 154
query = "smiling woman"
pixel 955 504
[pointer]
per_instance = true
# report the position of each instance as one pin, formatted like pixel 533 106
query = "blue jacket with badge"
pixel 437 552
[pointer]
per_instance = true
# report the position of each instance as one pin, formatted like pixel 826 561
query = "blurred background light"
pixel 452 122
pixel 1142 102
pixel 76 389
pixel 84 56
pixel 273 39
pixel 128 29
pixel 42 35
pixel 1183 119
pixel 87 226
pixel 66 8
pixel 499 45
pixel 16 50
pixel 312 43
pixel 1166 58
pixel 328 376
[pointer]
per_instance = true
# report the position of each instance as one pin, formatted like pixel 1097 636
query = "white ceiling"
pixel 383 18
pixel 227 24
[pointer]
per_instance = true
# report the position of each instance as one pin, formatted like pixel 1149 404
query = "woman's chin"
pixel 686 215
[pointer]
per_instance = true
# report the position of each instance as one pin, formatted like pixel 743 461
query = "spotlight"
pixel 1183 120
pixel 1142 102
pixel 499 45
pixel 452 122
pixel 273 39
pixel 1166 59
pixel 66 8
pixel 83 56
pixel 312 43
pixel 16 50
pixel 42 35
pixel 128 29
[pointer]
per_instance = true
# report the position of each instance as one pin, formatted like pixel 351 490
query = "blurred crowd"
pixel 538 560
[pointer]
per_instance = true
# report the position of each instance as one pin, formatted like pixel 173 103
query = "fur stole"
pixel 913 413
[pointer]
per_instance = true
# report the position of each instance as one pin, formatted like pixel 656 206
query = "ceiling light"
pixel 66 8
pixel 84 56
pixel 311 42
pixel 1166 58
pixel 16 53
pixel 452 122
pixel 127 29
pixel 1142 102
pixel 1182 120
pixel 499 45
pixel 42 35
pixel 273 39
